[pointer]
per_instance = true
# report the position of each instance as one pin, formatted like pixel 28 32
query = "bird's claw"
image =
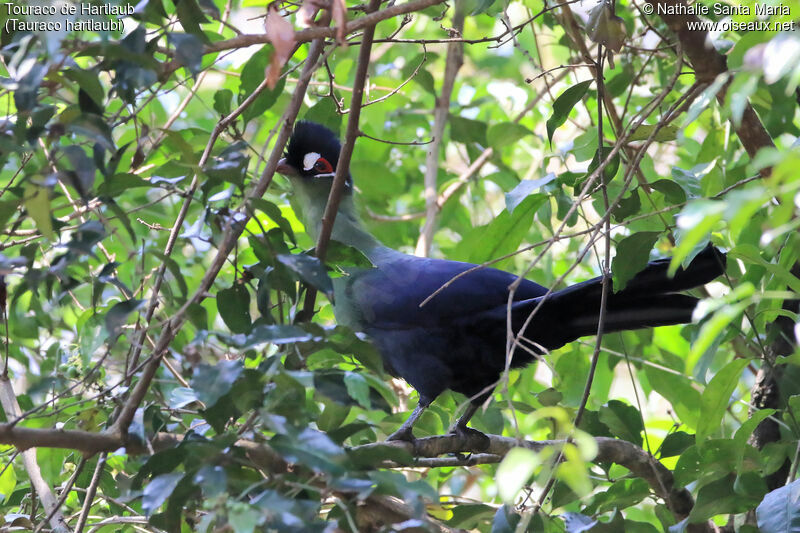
pixel 404 434
pixel 474 438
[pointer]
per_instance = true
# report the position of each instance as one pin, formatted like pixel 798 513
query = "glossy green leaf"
pixel 210 383
pixel 505 134
pixel 310 270
pixel 251 77
pixel 716 398
pixel 562 106
pixel 623 420
pixel 233 304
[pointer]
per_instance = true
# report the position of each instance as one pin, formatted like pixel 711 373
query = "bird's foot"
pixel 473 438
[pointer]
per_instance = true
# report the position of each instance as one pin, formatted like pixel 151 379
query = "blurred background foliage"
pixel 102 145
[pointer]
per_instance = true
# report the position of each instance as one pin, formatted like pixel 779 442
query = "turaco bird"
pixel 457 340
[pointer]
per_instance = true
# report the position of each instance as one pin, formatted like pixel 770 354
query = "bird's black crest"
pixel 312 137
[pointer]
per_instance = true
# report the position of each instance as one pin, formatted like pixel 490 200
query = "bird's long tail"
pixel 650 299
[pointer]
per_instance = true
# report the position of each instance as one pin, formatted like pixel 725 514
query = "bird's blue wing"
pixel 389 296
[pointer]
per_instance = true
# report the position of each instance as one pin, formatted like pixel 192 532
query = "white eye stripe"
pixel 310 159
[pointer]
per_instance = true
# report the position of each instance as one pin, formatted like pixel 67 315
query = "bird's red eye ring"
pixel 322 166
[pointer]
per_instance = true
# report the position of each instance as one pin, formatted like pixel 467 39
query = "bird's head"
pixel 312 155
pixel 310 164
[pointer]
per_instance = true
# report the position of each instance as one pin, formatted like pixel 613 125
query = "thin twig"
pixel 455 58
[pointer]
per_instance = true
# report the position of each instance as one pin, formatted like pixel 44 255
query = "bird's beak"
pixel 285 168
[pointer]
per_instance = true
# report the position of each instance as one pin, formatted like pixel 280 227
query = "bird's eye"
pixel 322 166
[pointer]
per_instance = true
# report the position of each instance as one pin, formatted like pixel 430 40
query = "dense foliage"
pixel 158 349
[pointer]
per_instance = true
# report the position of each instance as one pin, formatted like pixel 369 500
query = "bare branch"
pixel 441 111
pixel 343 166
pixel 9 402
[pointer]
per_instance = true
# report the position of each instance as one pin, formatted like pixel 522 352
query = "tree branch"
pixel 708 64
pixel 424 452
pixel 231 235
pixel 343 166
pixel 12 410
pixel 441 111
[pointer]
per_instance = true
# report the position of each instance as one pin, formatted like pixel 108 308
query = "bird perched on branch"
pixel 457 340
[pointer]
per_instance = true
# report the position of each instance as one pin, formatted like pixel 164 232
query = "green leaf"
pixel 345 256
pixel 86 237
pixel 274 213
pixel 779 511
pixel 93 128
pixel 514 471
pixel 706 97
pixel 481 6
pixel 633 253
pixel 117 316
pixel 695 222
pixel 180 397
pixel 7 210
pixel 251 77
pixel 672 192
pixel 564 104
pixel 688 181
pixel 505 134
pixel 678 390
pixel 630 205
pixel 191 16
pixel 716 398
pixel 524 189
pixel 275 334
pixel 369 457
pixel 119 183
pixel 675 444
pixel 609 172
pixel 621 494
pixel 210 383
pixel 549 397
pixel 325 112
pixel 89 82
pixel 751 254
pixel 8 482
pixel 158 490
pixel 623 420
pixel 713 329
pixel 502 235
pixel 466 130
pixel 234 308
pixel 748 426
pixel 198 315
pixel 244 519
pixel 469 515
pixel 222 101
pixel 357 388
pixel 189 50
pixel 665 134
pixel 378 183
pixel 719 497
pixel 310 270
pixel 37 203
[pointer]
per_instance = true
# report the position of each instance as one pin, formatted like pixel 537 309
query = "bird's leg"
pixel 405 432
pixel 461 429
